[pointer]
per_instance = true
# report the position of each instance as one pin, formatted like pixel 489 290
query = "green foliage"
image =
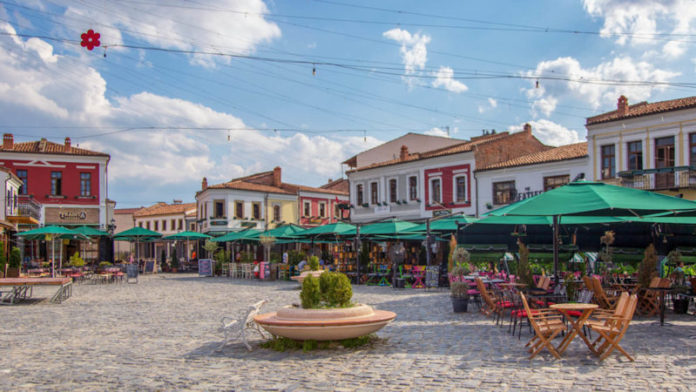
pixel 105 264
pixel 571 286
pixel 358 342
pixel 276 257
pixel 174 261
pixel 75 259
pixel 283 344
pixel 459 290
pixel 461 258
pixel 524 272
pixel 336 290
pixel 648 267
pixel 16 258
pixel 247 257
pixel 295 256
pixel 210 246
pixel 690 270
pixel 221 257
pixel 311 293
pixel 313 263
pixel 3 256
pixel 364 256
pixel 309 345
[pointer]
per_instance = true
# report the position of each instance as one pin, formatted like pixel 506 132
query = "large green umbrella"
pixel 90 231
pixel 448 224
pixel 593 198
pixel 187 235
pixel 389 227
pixel 332 229
pixel 249 234
pixel 283 232
pixel 136 234
pixel 52 232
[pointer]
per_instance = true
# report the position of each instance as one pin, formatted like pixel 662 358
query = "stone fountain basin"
pixel 303 274
pixel 324 324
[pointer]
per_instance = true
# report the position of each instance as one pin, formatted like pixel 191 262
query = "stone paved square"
pixel 161 334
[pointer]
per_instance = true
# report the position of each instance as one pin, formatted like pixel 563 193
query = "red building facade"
pixel 447 187
pixel 316 209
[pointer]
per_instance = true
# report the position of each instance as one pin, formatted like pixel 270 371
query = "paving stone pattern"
pixel 161 335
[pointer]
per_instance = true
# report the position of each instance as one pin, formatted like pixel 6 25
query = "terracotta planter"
pixel 302 275
pixel 12 273
pixel 324 324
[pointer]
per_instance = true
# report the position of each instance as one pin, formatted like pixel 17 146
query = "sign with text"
pixel 432 276
pixel 83 216
pixel 205 267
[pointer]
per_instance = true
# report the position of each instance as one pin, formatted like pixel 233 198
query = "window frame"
pixel 24 188
pixel 455 189
pixel 164 225
pixel 56 183
pixel 306 208
pixel 374 193
pixel 322 209
pixel 239 209
pixel 85 184
pixel 496 199
pixel 604 156
pixel 431 182
pixel 393 190
pixel 359 196
pixel 256 210
pixel 548 179
pixel 276 213
pixel 638 154
pixel 413 188
pixel 221 203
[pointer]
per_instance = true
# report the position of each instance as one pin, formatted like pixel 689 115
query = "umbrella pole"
pixel 357 252
pixel 555 248
pixel 188 252
pixel 427 242
pixel 53 258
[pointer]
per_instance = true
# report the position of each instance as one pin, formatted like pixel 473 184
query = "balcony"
pixel 28 211
pixel 657 179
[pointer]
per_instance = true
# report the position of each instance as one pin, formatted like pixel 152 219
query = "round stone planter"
pixel 459 305
pixel 301 276
pixel 324 324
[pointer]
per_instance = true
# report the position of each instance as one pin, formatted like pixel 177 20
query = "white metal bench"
pixel 237 328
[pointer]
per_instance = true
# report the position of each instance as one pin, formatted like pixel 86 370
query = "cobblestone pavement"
pixel 161 334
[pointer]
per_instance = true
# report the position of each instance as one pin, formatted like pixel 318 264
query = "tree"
pixel 174 260
pixel 210 247
pixel 267 242
pixel 648 267
pixel 524 273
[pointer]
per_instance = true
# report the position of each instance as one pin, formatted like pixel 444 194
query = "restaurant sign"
pixel 83 216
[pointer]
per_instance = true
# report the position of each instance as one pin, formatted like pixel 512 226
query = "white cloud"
pixel 492 104
pixel 549 132
pixel 594 94
pixel 637 22
pixel 437 132
pixel 39 88
pixel 414 51
pixel 229 26
pixel 444 78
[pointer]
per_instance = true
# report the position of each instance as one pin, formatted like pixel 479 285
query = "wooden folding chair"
pixel 649 303
pixel 604 301
pixel 613 330
pixel 599 316
pixel 495 304
pixel 546 327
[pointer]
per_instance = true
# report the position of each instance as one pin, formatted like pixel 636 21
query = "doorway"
pixel 664 158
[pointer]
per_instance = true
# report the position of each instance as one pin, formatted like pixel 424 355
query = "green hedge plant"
pixel 311 293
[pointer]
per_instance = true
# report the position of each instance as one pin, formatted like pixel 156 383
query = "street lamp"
pixel 111 227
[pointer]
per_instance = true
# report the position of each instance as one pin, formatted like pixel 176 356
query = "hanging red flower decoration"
pixel 90 39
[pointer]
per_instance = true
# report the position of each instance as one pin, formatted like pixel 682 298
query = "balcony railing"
pixel 657 179
pixel 28 207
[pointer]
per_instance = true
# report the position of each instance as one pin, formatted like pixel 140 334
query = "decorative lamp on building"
pixel 111 227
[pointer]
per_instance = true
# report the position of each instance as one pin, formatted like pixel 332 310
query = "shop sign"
pixel 83 216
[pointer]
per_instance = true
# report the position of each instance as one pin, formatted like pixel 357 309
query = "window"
pixel 205 207
pixel 181 224
pixel 85 184
pixel 239 209
pixel 555 181
pixel 504 192
pixel 337 211
pixel 22 174
pixel 413 188
pixel 147 225
pixel 359 194
pixel 140 224
pixel 173 224
pixel 374 193
pixel 307 209
pixel 56 183
pixel 193 227
pixel 164 225
pixel 392 190
pixel 276 213
pixel 635 155
pixel 256 210
pixel 435 190
pixel 608 162
pixel 322 210
pixel 156 225
pixel 9 198
pixel 460 189
pixel 692 152
pixel 219 208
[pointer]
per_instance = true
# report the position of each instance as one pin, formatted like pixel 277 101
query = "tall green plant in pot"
pixel 3 260
pixel 14 263
pixel 173 261
pixel 524 271
pixel 648 267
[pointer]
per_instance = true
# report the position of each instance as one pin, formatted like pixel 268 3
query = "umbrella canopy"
pixel 333 229
pixel 390 227
pixel 249 234
pixel 52 230
pixel 187 235
pixel 136 233
pixel 548 220
pixel 283 232
pixel 448 224
pixel 596 198
pixel 90 231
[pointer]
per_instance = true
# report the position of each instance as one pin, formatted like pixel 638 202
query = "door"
pixel 664 158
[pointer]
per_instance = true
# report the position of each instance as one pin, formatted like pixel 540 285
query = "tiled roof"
pixel 164 209
pixel 263 182
pixel 643 109
pixel 126 211
pixel 338 185
pixel 569 151
pixel 319 190
pixel 43 146
pixel 250 186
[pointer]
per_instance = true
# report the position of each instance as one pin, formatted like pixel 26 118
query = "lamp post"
pixel 111 228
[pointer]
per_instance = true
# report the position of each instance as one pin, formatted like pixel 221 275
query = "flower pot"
pixel 681 305
pixel 459 304
pixel 399 283
pixel 12 273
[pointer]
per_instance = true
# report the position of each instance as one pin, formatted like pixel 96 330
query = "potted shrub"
pixel 174 261
pixel 327 312
pixel 314 270
pixel 15 263
pixel 76 261
pixel 459 287
pixel 3 260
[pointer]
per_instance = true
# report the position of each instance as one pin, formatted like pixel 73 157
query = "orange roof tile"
pixel 162 208
pixel 125 211
pixel 43 146
pixel 340 185
pixel 250 186
pixel 569 151
pixel 643 109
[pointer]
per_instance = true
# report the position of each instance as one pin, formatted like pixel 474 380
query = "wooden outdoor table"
pixel 586 310
pixel 22 288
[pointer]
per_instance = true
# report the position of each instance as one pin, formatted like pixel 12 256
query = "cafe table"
pixel 576 325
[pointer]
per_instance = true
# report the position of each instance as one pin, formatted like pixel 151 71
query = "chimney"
pixel 277 176
pixel 528 128
pixel 622 106
pixel 204 184
pixel 404 152
pixel 7 141
pixel 176 201
pixel 67 144
pixel 329 181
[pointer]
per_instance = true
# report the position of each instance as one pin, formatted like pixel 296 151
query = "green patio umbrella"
pixel 287 232
pixel 232 236
pixel 52 232
pixel 448 224
pixel 389 227
pixel 593 199
pixel 332 229
pixel 91 232
pixel 136 234
pixel 187 235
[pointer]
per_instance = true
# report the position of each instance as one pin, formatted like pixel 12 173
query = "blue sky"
pixel 186 89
